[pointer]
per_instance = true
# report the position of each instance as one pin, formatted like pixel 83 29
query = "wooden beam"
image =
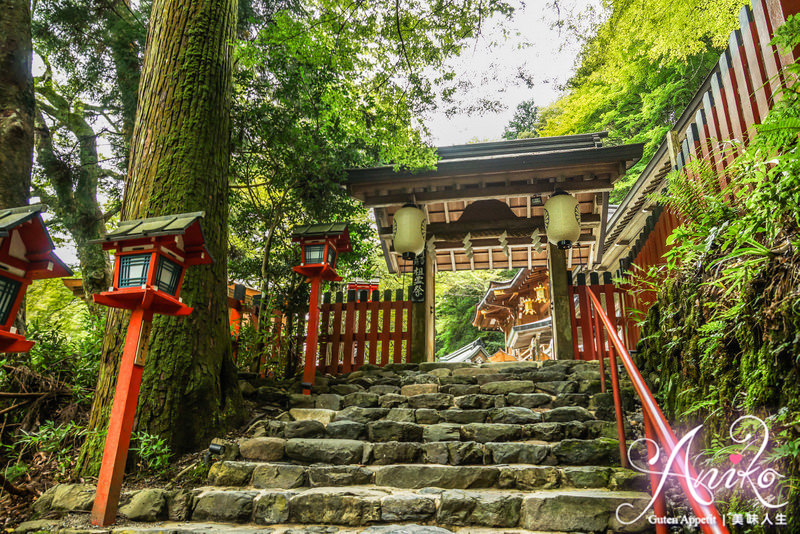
pixel 603 223
pixel 490 228
pixel 482 193
pixel 479 244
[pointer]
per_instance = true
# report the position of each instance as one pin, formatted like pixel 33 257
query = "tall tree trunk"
pixel 17 103
pixel 179 163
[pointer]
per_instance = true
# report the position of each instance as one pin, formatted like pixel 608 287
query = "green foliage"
pixel 72 361
pixel 722 340
pixel 55 442
pixel 525 123
pixel 97 48
pixel 457 298
pixel 153 452
pixel 50 301
pixel 639 70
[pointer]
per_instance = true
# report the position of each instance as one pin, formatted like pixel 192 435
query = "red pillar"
pixel 311 338
pixel 120 426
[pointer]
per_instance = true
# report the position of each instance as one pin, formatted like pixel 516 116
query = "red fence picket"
pixel 361 330
pixel 587 333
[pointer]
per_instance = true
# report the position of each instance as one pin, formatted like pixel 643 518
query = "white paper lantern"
pixel 562 219
pixel 408 231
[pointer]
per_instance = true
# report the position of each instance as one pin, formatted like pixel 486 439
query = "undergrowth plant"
pixel 723 339
pixel 153 452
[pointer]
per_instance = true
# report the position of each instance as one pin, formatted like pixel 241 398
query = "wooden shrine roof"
pixel 487 189
pixel 501 302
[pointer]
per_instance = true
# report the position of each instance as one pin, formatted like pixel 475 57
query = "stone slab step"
pixel 416 476
pixel 500 424
pixel 328 406
pixel 367 396
pixel 550 510
pixel 534 444
pixel 172 527
pixel 545 510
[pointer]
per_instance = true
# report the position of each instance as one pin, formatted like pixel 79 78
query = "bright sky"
pixel 534 46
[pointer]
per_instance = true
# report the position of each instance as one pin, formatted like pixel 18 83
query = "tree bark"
pixel 179 163
pixel 75 200
pixel 125 55
pixel 17 103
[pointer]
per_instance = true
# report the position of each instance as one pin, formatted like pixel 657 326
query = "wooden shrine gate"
pixel 587 331
pixel 364 329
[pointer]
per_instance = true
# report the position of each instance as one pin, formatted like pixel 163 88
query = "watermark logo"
pixel 746 472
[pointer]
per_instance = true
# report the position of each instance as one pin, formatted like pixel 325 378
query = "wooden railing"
pixel 363 330
pixel 656 427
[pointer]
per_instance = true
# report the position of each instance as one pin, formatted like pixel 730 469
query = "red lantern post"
pixel 26 254
pixel 321 244
pixel 151 256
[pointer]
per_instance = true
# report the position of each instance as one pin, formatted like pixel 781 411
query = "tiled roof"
pixel 153 226
pixel 13 217
pixel 319 230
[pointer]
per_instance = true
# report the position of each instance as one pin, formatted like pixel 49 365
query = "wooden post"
pixel 418 296
pixel 120 425
pixel 397 334
pixel 311 339
pixel 430 306
pixel 560 304
pixel 422 294
pixel 386 316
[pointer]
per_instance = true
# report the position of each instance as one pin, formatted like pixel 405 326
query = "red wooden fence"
pixel 363 330
pixel 587 332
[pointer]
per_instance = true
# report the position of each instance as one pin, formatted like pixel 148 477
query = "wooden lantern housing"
pixel 26 254
pixel 151 256
pixel 321 245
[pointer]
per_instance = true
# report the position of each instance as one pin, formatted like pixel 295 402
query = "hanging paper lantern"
pixel 562 220
pixel 408 231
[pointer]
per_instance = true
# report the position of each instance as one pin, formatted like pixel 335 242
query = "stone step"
pixel 568 448
pixel 366 395
pixel 546 510
pixel 417 476
pixel 394 423
pixel 173 527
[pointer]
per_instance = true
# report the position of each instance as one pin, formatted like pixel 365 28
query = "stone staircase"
pixel 434 447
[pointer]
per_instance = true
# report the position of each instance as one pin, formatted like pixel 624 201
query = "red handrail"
pixel 656 422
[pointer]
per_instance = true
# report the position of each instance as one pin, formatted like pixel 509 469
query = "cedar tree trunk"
pixel 17 103
pixel 179 163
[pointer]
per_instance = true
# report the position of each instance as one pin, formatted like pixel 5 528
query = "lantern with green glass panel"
pixel 151 256
pixel 321 245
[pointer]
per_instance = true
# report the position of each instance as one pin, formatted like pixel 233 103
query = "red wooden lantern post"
pixel 151 256
pixel 26 254
pixel 321 244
